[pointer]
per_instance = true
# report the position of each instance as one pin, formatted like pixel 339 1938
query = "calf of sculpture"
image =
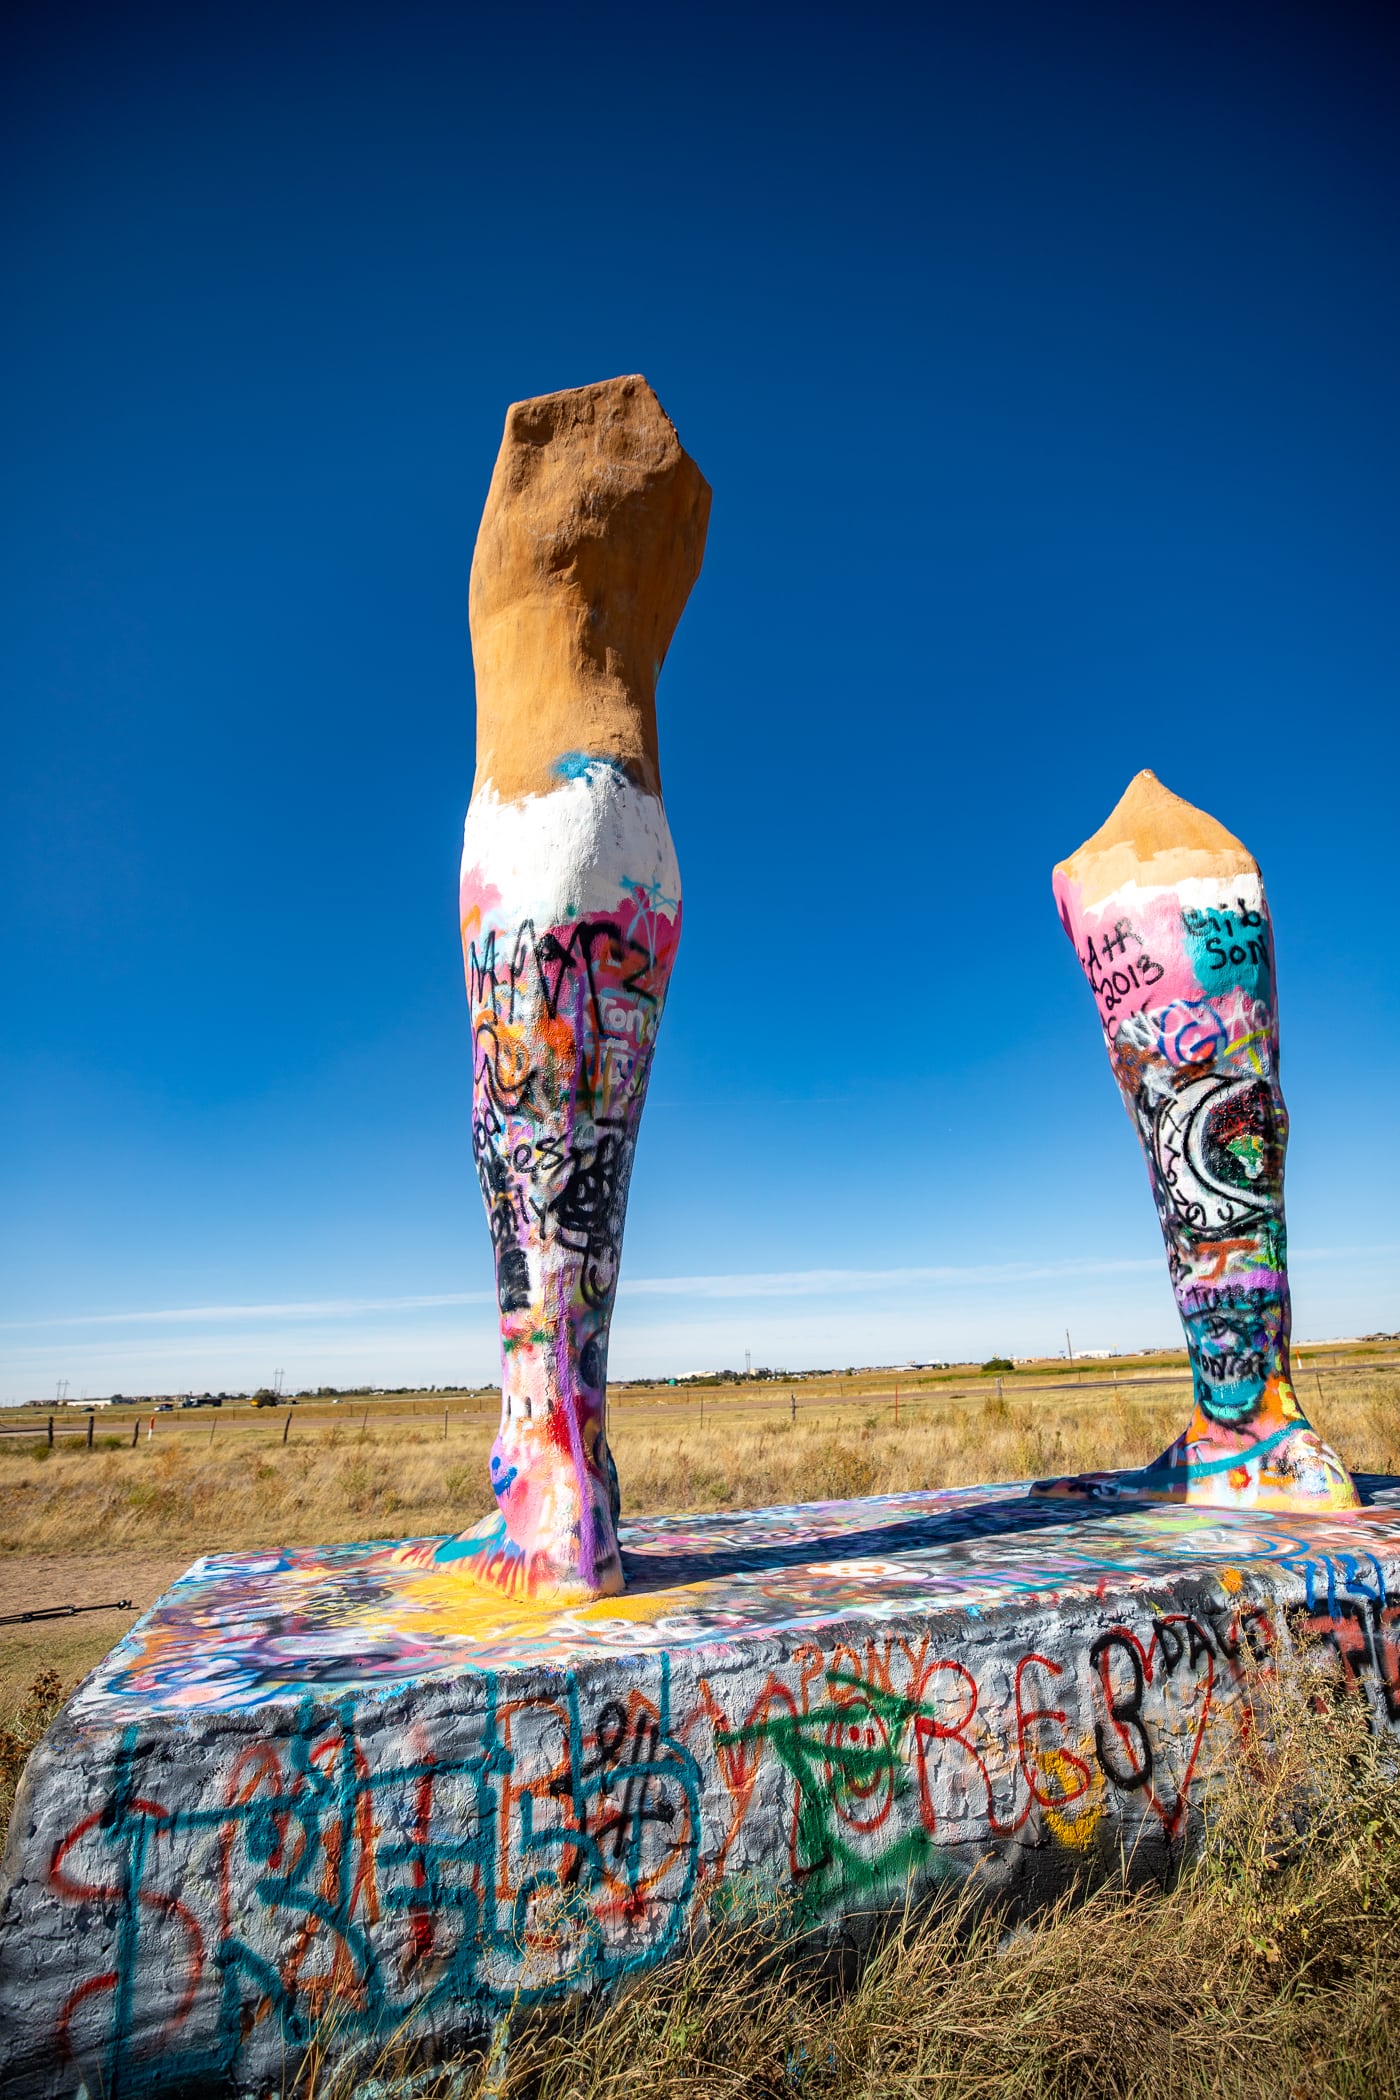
pixel 592 537
pixel 1169 919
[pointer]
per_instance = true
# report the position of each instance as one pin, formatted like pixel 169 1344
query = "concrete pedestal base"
pixel 341 1786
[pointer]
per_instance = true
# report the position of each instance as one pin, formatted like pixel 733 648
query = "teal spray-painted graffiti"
pixel 550 1857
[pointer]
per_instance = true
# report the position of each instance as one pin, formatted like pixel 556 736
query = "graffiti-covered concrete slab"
pixel 346 1785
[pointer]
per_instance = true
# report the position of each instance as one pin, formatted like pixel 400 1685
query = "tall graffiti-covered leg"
pixel 1169 920
pixel 570 909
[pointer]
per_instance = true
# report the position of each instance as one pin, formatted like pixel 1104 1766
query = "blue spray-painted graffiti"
pixel 549 1856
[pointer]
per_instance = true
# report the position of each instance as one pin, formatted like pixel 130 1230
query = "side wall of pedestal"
pixel 187 1899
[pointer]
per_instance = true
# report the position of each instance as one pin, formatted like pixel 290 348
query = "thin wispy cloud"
pixel 776 1283
pixel 291 1309
pixel 807 1283
pixel 810 1283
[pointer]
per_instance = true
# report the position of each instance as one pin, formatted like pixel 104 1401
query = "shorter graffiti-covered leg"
pixel 1169 919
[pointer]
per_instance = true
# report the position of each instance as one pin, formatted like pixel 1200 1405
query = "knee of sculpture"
pixel 1169 919
pixel 592 536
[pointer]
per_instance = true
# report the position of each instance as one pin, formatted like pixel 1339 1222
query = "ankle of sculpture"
pixel 1276 1463
pixel 488 1555
pixel 553 1536
pixel 1249 1443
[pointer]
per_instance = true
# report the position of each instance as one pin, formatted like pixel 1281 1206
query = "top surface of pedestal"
pixel 243 1630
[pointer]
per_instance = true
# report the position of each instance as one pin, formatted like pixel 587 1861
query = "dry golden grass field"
pixel 80 1526
pixel 1271 1968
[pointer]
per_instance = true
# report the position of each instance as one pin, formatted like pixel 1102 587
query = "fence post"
pixel 135 1431
pixel 792 1403
pixel 444 1425
pixel 50 1432
pixel 92 1419
pixel 286 1426
pixel 998 1389
pixel 212 1427
pixel 896 1407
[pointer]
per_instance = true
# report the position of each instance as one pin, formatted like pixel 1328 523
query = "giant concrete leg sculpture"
pixel 1168 917
pixel 592 537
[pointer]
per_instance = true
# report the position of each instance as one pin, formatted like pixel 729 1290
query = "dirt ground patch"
pixel 31 1581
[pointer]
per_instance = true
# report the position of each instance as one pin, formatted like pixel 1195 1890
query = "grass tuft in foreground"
pixel 31 1717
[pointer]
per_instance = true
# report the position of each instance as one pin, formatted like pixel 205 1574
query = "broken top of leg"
pixel 590 543
pixel 1153 839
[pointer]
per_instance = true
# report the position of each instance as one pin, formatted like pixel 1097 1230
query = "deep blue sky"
pixel 1043 363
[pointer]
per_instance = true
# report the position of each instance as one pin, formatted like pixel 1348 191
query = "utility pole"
pixel 1069 1346
pixel 277 1378
pixel 748 1364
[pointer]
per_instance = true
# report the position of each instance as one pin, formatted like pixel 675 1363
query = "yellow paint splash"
pixel 1072 1825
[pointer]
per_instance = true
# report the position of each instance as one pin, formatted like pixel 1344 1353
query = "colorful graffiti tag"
pixel 1169 920
pixel 314 1830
